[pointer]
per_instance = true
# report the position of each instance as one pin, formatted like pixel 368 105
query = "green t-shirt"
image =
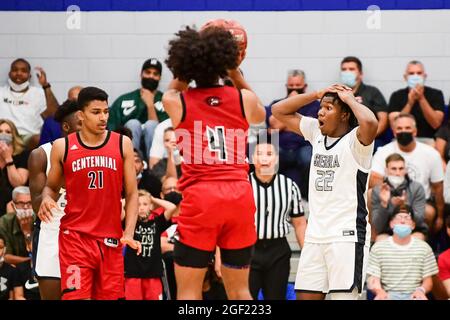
pixel 130 106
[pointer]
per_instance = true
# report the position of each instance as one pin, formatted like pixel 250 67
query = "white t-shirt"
pixel 24 109
pixel 158 150
pixel 338 182
pixel 423 163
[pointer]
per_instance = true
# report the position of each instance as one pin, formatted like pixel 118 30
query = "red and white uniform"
pixel 217 206
pixel 91 227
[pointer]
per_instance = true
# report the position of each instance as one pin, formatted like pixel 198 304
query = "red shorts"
pixel 90 269
pixel 143 289
pixel 218 213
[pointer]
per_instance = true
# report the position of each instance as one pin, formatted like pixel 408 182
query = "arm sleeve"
pixel 379 101
pixel 418 204
pixel 297 207
pixel 309 127
pixel 430 267
pixel 374 268
pixel 437 172
pixel 361 153
pixel 42 102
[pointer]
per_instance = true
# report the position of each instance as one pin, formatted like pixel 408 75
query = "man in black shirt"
pixel 370 96
pixel 426 104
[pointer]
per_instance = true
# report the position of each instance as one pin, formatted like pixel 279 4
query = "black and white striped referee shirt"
pixel 276 202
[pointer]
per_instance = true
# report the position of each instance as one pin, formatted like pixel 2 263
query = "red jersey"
pixel 94 181
pixel 212 135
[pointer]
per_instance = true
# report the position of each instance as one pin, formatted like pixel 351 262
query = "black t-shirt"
pixel 20 161
pixel 372 98
pixel 8 280
pixel 434 97
pixel 149 263
pixel 29 283
pixel 444 133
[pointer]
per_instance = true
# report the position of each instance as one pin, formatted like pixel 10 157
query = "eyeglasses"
pixel 22 204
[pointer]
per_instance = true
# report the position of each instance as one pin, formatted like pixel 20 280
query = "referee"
pixel 278 202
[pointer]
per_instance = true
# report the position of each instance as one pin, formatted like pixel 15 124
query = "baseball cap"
pixel 152 63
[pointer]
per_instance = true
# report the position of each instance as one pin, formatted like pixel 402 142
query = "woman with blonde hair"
pixel 13 162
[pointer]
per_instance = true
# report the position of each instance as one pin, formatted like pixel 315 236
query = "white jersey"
pixel 47 249
pixel 338 183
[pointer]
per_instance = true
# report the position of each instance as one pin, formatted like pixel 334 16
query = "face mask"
pixel 6 138
pixel 404 138
pixel 402 230
pixel 298 90
pixel 173 197
pixel 414 80
pixel 348 78
pixel 18 87
pixel 24 213
pixel 395 181
pixel 149 83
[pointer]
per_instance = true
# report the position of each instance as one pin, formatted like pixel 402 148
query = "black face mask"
pixel 149 83
pixel 404 138
pixel 173 197
pixel 298 90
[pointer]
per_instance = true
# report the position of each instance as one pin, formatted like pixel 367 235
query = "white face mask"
pixel 18 87
pixel 24 213
pixel 395 181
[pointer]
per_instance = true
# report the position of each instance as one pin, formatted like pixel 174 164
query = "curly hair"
pixel 203 56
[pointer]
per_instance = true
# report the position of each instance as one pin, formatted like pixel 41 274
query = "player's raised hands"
pixel 134 244
pixel 45 210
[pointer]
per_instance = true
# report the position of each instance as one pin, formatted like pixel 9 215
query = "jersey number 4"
pixel 324 181
pixel 216 141
pixel 96 179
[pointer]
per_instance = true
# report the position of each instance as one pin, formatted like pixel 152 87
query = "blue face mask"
pixel 402 230
pixel 415 79
pixel 348 78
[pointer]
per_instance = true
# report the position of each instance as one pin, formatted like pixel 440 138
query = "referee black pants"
pixel 270 268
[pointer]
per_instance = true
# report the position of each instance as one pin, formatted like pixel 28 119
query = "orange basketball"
pixel 235 28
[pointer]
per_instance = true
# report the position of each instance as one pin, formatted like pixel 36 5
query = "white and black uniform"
pixel 45 242
pixel 337 238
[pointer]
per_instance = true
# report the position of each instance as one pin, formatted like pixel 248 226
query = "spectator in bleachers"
pixel 13 162
pixel 295 151
pixel 442 144
pixel 423 165
pixel 444 263
pixel 141 110
pixel 171 153
pixel 370 96
pixel 51 130
pixel 426 104
pixel 9 278
pixel 396 190
pixel 145 179
pixel 401 267
pixel 143 273
pixel 158 150
pixel 16 226
pixel 24 104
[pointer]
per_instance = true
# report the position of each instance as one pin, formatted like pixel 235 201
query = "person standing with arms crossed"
pixel 337 238
pixel 218 207
pixel 95 165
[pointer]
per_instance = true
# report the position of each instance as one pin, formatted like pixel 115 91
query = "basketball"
pixel 236 29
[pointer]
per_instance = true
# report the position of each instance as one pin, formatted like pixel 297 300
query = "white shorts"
pixel 332 267
pixel 47 251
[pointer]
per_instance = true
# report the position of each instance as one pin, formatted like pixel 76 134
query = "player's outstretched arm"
pixel 131 196
pixel 368 123
pixel 286 110
pixel 54 182
pixel 37 166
